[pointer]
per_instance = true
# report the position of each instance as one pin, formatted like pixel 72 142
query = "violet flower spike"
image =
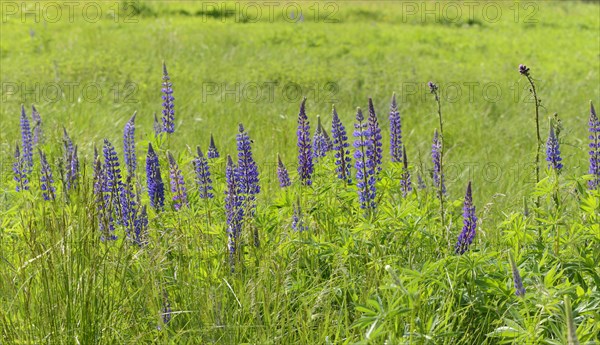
pixel 212 149
pixel 553 152
pixel 177 184
pixel 72 169
pixel 233 208
pixel 364 163
pixel 141 228
pixel 112 174
pixel 247 170
pixel 298 218
pixel 26 141
pixel 343 160
pixel 405 179
pixel 129 146
pixel 594 145
pixel 470 223
pixel 320 146
pixel 524 70
pixel 305 158
pixel 375 137
pixel 154 182
pixel 37 126
pixel 282 174
pixel 203 180
pixel 518 282
pixel 395 132
pixel 168 112
pixel 46 179
pixel 103 206
pixel 19 170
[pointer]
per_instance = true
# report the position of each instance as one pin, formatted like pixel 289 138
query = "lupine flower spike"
pixel 26 141
pixel 282 174
pixel 129 205
pixel 212 149
pixel 320 144
pixel 305 158
pixel 518 282
pixel 46 180
pixel 129 145
pixel 168 112
pixel 72 169
pixel 141 227
pixel 247 170
pixel 156 188
pixel 298 218
pixel 405 180
pixel 19 170
pixel 203 180
pixel 375 137
pixel 395 132
pixel 469 224
pixel 177 184
pixel 594 129
pixel 37 126
pixel 233 207
pixel 553 152
pixel 364 163
pixel 436 157
pixel 112 175
pixel 343 161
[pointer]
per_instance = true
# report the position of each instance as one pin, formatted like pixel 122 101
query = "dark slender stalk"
pixel 434 90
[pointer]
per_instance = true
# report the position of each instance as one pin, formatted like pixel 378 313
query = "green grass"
pixel 331 284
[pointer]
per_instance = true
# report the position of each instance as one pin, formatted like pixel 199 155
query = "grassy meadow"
pixel 389 275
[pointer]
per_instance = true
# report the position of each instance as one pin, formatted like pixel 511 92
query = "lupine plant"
pixel 470 223
pixel 366 162
pixel 129 146
pixel 168 112
pixel 343 160
pixel 375 138
pixel 405 180
pixel 20 171
pixel 321 143
pixel 305 157
pixel 594 148
pixel 46 179
pixel 178 190
pixel 212 149
pixel 154 183
pixel 282 174
pixel 36 119
pixel 395 132
pixel 26 140
pixel 203 180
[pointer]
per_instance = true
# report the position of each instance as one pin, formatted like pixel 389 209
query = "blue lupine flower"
pixel 37 126
pixel 297 218
pixel 212 149
pixel 26 141
pixel 156 187
pixel 247 170
pixel 436 149
pixel 594 129
pixel 19 170
pixel 305 158
pixel 518 282
pixel 553 152
pixel 46 179
pixel 524 70
pixel 233 207
pixel 141 228
pixel 157 126
pixel 177 184
pixel 343 161
pixel 203 179
pixel 405 180
pixel 375 137
pixel 103 206
pixel 470 223
pixel 395 132
pixel 112 174
pixel 168 113
pixel 364 162
pixel 128 200
pixel 282 173
pixel 129 146
pixel 166 310
pixel 320 144
pixel 72 169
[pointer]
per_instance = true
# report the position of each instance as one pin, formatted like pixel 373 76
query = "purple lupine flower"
pixel 518 282
pixel 157 126
pixel 594 129
pixel 46 179
pixel 405 180
pixel 282 174
pixel 112 174
pixel 128 199
pixel 20 171
pixel 177 184
pixel 72 169
pixel 166 310
pixel 364 162
pixel 168 113
pixel 37 126
pixel 524 70
pixel 233 207
pixel 247 171
pixel 305 158
pixel 103 206
pixel 470 222
pixel 375 137
pixel 553 152
pixel 141 228
pixel 436 157
pixel 203 179
pixel 212 149
pixel 395 132
pixel 298 218
pixel 320 146
pixel 433 88
pixel 67 144
pixel 343 161
pixel 26 141
pixel 156 188
pixel 129 145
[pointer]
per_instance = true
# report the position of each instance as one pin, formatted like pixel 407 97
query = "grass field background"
pixel 229 66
